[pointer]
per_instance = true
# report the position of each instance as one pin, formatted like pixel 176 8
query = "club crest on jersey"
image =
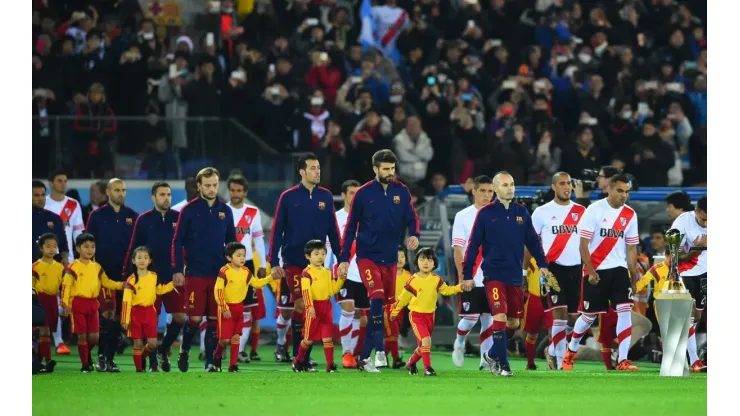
pixel 343 293
pixel 623 221
pixel 371 283
pixel 50 224
pixel 283 299
pixel 554 298
pixel 174 225
pixel 466 306
pixel 585 305
pixel 129 221
pixel 67 212
pixel 322 205
pixel 496 304
pixel 574 216
pixel 396 199
pixel 221 215
pixel 519 220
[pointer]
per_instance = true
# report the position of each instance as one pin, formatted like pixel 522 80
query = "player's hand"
pixel 261 272
pixel 468 285
pixel 178 279
pixel 226 314
pixel 343 267
pixel 393 316
pixel 412 243
pixel 594 278
pixel 700 241
pixel 124 327
pixel 65 311
pixel 311 312
pixel 278 272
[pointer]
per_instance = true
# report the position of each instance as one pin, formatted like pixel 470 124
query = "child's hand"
pixel 226 314
pixel 124 326
pixel 65 311
pixel 393 316
pixel 311 312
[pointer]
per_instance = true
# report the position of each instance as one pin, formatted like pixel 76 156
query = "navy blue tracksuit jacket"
pixel 502 234
pixel 301 216
pixel 155 231
pixel 202 231
pixel 112 231
pixel 379 216
pixel 44 221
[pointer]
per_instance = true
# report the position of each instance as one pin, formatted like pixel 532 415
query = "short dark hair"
pixel 38 184
pixel 679 199
pixel 301 162
pixel 701 204
pixel 427 253
pixel 206 173
pixel 47 236
pixel 102 186
pixel 56 172
pixel 384 156
pixel 349 184
pixel 480 180
pixel 557 175
pixel 619 177
pixel 232 247
pixel 158 185
pixel 610 171
pixel 84 238
pixel 239 180
pixel 314 245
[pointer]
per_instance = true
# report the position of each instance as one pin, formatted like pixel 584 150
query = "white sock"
pixel 59 341
pixel 345 330
pixel 579 330
pixel 203 327
pixel 486 333
pixel 463 329
pixel 282 329
pixel 246 330
pixel 691 346
pixel 624 330
pixel 355 335
pixel 557 346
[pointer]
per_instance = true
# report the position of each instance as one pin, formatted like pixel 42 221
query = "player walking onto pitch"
pixel 608 249
pixel 232 285
pixel 204 227
pixel 138 312
pixel 473 305
pixel 318 287
pixel 379 212
pixel 556 223
pixel 304 212
pixel 501 231
pixel 47 279
pixel 420 294
pixel 393 326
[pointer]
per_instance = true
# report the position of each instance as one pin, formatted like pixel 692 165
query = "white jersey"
pixel 70 210
pixel 557 226
pixel 691 230
pixel 390 23
pixel 248 224
pixel 610 230
pixel 178 207
pixel 353 273
pixel 461 228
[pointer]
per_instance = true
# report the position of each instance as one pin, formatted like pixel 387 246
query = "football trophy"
pixel 674 307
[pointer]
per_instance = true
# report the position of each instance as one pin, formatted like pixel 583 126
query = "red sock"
pixel 416 357
pixel 45 348
pixel 391 346
pixel 302 351
pixel 234 353
pixel 83 351
pixel 529 349
pixel 360 340
pixel 138 362
pixel 255 340
pixel 606 355
pixel 329 354
pixel 426 356
pixel 219 351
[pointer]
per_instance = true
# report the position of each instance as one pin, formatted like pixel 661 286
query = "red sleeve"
pixel 329 78
pixel 312 78
pixel 87 126
pixel 111 125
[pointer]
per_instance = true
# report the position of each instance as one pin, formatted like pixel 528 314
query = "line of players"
pixel 596 274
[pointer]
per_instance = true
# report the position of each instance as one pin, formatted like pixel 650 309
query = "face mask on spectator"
pixel 395 99
pixel 626 115
pixel 147 36
pixel 317 101
pixel 584 57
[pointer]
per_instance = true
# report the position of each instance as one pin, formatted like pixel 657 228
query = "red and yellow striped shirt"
pixel 420 293
pixel 84 280
pixel 47 277
pixel 141 292
pixel 232 284
pixel 317 284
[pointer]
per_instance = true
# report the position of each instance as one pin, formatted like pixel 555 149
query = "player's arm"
pixel 412 218
pixel 350 229
pixel 165 288
pixel 181 230
pixel 403 300
pixel 458 245
pixel 474 242
pixel 257 282
pixel 91 226
pixel 276 235
pixel 128 297
pixel 446 290
pixel 218 291
pixel 78 226
pixel 632 239
pixel 586 232
pixel 337 284
pixel 533 243
pixel 525 267
pixel 230 228
pixel 107 283
pixel 306 289
pixel 62 236
pixel 258 237
pixel 137 240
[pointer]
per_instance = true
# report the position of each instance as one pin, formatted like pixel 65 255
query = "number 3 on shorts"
pixel 495 293
pixel 191 298
pixel 369 275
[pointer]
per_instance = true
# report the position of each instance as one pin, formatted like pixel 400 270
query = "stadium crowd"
pixel 455 88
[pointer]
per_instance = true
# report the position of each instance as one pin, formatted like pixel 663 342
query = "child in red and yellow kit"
pixel 231 288
pixel 317 287
pixel 420 294
pixel 393 326
pixel 138 311
pixel 80 289
pixel 47 279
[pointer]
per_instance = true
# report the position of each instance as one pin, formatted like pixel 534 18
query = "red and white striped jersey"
pixel 71 213
pixel 610 230
pixel 691 230
pixel 353 273
pixel 461 228
pixel 557 226
pixel 248 224
pixel 178 207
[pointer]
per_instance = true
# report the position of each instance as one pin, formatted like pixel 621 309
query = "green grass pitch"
pixel 267 388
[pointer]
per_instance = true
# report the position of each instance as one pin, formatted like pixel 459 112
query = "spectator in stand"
pixel 651 157
pixel 95 124
pixel 176 107
pixel 310 124
pixel 438 183
pixel 161 164
pixel 371 134
pixel 98 198
pixel 583 154
pixel 414 150
pixel 547 158
pixel 333 155
pixel 324 76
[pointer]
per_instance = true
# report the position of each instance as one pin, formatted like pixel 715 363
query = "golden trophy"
pixel 674 307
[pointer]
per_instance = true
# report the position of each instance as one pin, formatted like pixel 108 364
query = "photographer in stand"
pixel 600 179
